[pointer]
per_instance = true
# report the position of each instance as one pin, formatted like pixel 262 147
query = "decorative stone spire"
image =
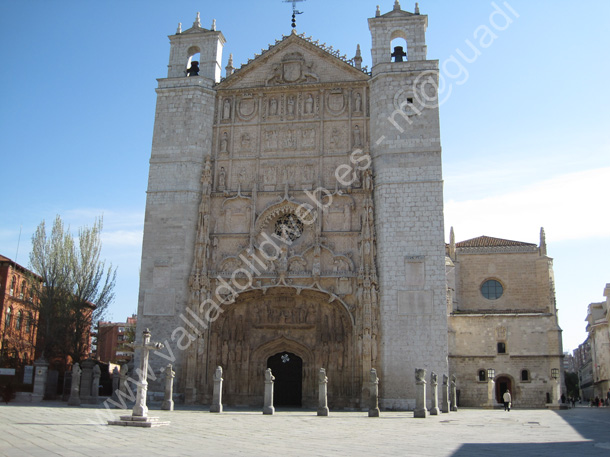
pixel 396 5
pixel 358 58
pixel 378 12
pixel 197 22
pixel 213 28
pixel 452 244
pixel 179 28
pixel 416 8
pixel 230 68
pixel 542 242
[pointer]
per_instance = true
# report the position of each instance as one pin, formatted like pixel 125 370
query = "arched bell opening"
pixel 192 65
pixel 398 46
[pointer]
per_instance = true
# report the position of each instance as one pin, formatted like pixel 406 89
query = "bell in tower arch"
pixel 398 54
pixel 193 70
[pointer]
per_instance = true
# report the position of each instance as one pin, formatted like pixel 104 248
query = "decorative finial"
pixel 358 58
pixel 378 12
pixel 213 25
pixel 396 5
pixel 452 244
pixel 542 242
pixel 179 28
pixel 197 22
pixel 230 68
pixel 416 8
pixel 294 11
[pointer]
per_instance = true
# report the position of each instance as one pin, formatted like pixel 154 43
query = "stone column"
pixel 420 393
pixel 434 388
pixel 268 401
pixel 116 377
pixel 216 406
pixel 95 385
pixel 453 393
pixel 373 393
pixel 74 399
pixel 41 367
pixel 490 392
pixel 168 401
pixel 86 380
pixel 556 394
pixel 140 408
pixel 445 407
pixel 322 393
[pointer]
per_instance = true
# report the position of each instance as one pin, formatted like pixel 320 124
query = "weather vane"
pixel 294 11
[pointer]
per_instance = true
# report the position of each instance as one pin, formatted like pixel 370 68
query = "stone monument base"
pixel 138 421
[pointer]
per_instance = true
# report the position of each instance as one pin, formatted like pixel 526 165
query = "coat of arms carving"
pixel 292 69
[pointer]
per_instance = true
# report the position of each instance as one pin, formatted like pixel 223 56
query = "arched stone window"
pixel 19 320
pixel 192 65
pixel 13 285
pixel 23 290
pixel 482 375
pixel 398 46
pixel 28 323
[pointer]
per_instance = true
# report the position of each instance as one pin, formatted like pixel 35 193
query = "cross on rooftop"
pixel 294 11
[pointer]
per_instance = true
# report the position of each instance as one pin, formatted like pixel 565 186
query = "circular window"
pixel 492 289
pixel 288 226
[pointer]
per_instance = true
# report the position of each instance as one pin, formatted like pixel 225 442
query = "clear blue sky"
pixel 525 136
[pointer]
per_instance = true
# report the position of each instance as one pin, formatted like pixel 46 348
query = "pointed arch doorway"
pixel 287 368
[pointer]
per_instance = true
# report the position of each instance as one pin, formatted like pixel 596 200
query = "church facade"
pixel 294 220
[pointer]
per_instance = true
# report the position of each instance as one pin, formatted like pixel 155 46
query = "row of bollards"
pixel 448 402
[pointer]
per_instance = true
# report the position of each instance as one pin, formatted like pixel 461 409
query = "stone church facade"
pixel 294 219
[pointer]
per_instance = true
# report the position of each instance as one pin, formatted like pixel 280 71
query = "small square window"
pixel 525 375
pixel 501 348
pixel 482 375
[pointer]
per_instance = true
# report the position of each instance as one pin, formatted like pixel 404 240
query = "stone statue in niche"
pixel 309 138
pixel 334 138
pixel 309 104
pixel 245 141
pixel 273 107
pixel 224 143
pixel 358 103
pixel 357 137
pixel 226 110
pixel 222 179
pixel 290 108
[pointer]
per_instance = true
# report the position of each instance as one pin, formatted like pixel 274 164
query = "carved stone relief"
pixel 292 69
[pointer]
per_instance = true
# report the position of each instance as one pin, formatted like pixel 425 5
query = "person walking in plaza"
pixel 507 400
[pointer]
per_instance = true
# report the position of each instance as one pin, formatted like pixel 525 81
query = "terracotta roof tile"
pixel 488 242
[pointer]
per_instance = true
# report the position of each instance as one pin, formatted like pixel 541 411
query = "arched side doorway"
pixel 502 384
pixel 287 368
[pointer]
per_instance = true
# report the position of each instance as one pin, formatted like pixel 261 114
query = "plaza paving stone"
pixel 52 428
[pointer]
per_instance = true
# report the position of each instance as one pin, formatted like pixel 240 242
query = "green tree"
pixel 76 286
pixel 572 384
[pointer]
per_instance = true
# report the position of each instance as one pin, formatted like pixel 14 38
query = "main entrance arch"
pixel 503 383
pixel 262 326
pixel 288 371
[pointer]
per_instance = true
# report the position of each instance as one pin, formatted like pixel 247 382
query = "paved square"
pixel 54 429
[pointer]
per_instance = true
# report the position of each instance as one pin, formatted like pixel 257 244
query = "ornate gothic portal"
pixel 260 330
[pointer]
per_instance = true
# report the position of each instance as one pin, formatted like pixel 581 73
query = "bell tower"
pixel 182 139
pixel 406 151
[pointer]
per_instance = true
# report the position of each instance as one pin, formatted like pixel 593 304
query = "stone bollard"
pixel 445 407
pixel 322 393
pixel 453 393
pixel 95 385
pixel 168 401
pixel 373 393
pixel 74 399
pixel 216 406
pixel 434 387
pixel 268 400
pixel 41 368
pixel 86 380
pixel 116 377
pixel 420 393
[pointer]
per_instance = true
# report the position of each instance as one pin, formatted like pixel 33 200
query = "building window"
pixel 13 285
pixel 501 348
pixel 482 375
pixel 525 375
pixel 28 323
pixel 9 318
pixel 18 320
pixel 22 294
pixel 492 289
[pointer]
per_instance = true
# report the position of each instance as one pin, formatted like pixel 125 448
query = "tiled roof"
pixel 489 242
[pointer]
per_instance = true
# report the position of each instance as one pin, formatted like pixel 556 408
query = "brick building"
pixel 19 317
pixel 112 338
